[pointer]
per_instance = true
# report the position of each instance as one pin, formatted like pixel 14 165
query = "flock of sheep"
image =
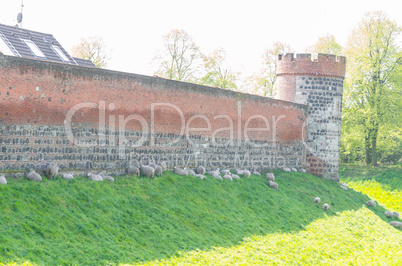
pixel 153 169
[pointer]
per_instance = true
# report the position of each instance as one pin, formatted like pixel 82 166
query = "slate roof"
pixel 21 43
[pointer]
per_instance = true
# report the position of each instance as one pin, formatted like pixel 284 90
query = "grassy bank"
pixel 133 220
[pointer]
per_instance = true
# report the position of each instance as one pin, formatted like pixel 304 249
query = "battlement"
pixel 325 65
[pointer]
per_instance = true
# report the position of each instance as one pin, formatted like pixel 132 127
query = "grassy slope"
pixel 138 220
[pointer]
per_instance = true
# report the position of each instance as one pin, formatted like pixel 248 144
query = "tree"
pixel 216 73
pixel 177 60
pixel 263 82
pixel 325 45
pixel 94 49
pixel 372 96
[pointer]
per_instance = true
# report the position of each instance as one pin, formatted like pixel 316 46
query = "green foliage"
pixel 137 220
pixel 325 45
pixel 216 74
pixel 372 93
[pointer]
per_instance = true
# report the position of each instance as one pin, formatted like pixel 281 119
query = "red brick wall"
pixel 34 92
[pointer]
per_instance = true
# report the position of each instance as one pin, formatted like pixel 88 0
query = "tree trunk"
pixel 367 146
pixel 374 147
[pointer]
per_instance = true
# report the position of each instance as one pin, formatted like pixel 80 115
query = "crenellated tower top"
pixel 326 65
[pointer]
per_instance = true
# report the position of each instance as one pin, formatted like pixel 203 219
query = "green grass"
pixel 383 184
pixel 133 220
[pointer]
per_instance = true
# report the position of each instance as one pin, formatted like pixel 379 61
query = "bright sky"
pixel 244 29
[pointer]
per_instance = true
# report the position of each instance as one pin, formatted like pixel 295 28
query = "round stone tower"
pixel 318 84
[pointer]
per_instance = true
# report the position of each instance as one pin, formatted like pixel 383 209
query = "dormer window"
pixel 34 49
pixel 60 53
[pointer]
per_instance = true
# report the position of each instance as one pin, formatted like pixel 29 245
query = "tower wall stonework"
pixel 318 84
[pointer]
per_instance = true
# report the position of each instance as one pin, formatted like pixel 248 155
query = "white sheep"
pixel 201 170
pixel 214 172
pixel 94 177
pixel 3 180
pixel 158 170
pixel 325 206
pixel 225 171
pixel 228 177
pixel 67 176
pixel 293 169
pixel 106 177
pixel 273 185
pixel 202 177
pixel 344 185
pixel 191 172
pixel 302 170
pixel 147 171
pixel 235 176
pixel 317 200
pixel 371 203
pixel 52 171
pixel 286 169
pixel 256 173
pixel 344 188
pixel 396 224
pixel 32 175
pixel 246 173
pixel 132 170
pixel 163 165
pixel 216 175
pixel 152 164
pixel 388 214
pixel 180 171
pixel 270 176
pixel 395 214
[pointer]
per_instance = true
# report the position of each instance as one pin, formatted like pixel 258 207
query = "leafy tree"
pixel 372 95
pixel 216 73
pixel 263 83
pixel 94 49
pixel 326 45
pixel 177 60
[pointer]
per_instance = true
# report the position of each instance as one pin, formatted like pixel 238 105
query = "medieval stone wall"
pixel 85 118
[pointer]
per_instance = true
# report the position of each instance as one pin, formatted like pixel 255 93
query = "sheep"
pixel 344 185
pixel 191 172
pixel 132 170
pixel 270 176
pixel 344 188
pixel 256 173
pixel 245 173
pixel 158 170
pixel 302 170
pixel 214 172
pixel 202 177
pixel 325 206
pixel 52 171
pixel 152 164
pixel 228 177
pixel 216 175
pixel 180 171
pixel 286 169
pixel 317 200
pixel 32 175
pixel 147 171
pixel 273 185
pixel 163 165
pixel 371 203
pixel 106 177
pixel 225 171
pixel 3 180
pixel 388 214
pixel 67 176
pixel 396 224
pixel 235 176
pixel 395 214
pixel 201 170
pixel 293 169
pixel 94 177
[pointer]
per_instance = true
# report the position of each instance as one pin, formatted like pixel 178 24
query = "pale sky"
pixel 133 30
